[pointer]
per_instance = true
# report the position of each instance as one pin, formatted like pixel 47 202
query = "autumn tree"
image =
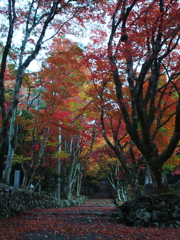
pixel 113 128
pixel 143 55
pixel 26 27
pixel 111 167
pixel 59 119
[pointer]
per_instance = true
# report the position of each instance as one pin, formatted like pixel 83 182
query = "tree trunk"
pixel 25 175
pixel 3 153
pixel 11 148
pixel 69 189
pixel 58 185
pixel 71 178
pixel 119 187
pixel 135 187
pixel 134 182
pixel 159 182
pixel 79 184
pixel 148 177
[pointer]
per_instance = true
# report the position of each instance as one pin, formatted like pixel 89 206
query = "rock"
pixel 14 200
pixel 174 224
pixel 152 211
pixel 174 212
pixel 158 216
pixel 154 200
pixel 140 201
pixel 143 215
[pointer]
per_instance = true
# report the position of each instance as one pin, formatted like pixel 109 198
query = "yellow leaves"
pixel 100 143
pixel 61 154
pixel 92 168
pixel 82 94
pixel 52 144
pixel 20 158
pixel 111 160
pixel 28 138
pixel 86 150
pixel 74 106
pixel 108 163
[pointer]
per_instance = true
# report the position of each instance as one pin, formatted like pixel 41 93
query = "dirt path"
pixel 96 219
pixel 92 220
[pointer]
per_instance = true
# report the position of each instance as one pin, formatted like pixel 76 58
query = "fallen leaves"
pixel 76 223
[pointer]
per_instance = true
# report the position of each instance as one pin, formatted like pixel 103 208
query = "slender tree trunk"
pixel 3 153
pixel 119 187
pixel 118 195
pixel 148 177
pixel 71 180
pixel 69 189
pixel 58 186
pixel 11 148
pixel 25 180
pixel 38 184
pixel 39 161
pixel 79 184
pixel 25 174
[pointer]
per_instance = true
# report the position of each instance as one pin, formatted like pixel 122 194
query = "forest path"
pixel 91 221
pixel 103 191
pixel 95 219
pixel 101 198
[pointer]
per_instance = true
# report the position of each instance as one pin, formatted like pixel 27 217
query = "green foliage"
pixel 20 158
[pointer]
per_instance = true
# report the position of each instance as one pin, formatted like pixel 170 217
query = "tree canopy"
pixel 121 86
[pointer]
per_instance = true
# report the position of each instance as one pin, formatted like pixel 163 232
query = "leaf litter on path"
pixel 88 223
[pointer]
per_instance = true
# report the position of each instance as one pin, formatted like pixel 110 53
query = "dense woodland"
pixel 89 89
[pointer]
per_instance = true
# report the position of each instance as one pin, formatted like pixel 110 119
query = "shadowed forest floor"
pixel 94 220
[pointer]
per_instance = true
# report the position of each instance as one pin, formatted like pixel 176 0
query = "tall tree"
pixel 142 50
pixel 57 118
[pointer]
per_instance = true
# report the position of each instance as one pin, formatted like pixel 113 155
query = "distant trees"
pixel 53 122
pixel 26 27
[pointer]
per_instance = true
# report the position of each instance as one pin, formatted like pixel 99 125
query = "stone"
pixel 174 212
pixel 174 224
pixel 155 201
pixel 152 211
pixel 15 200
pixel 140 201
pixel 158 216
pixel 143 215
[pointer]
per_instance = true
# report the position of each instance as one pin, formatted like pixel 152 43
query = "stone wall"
pixel 13 200
pixel 151 211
